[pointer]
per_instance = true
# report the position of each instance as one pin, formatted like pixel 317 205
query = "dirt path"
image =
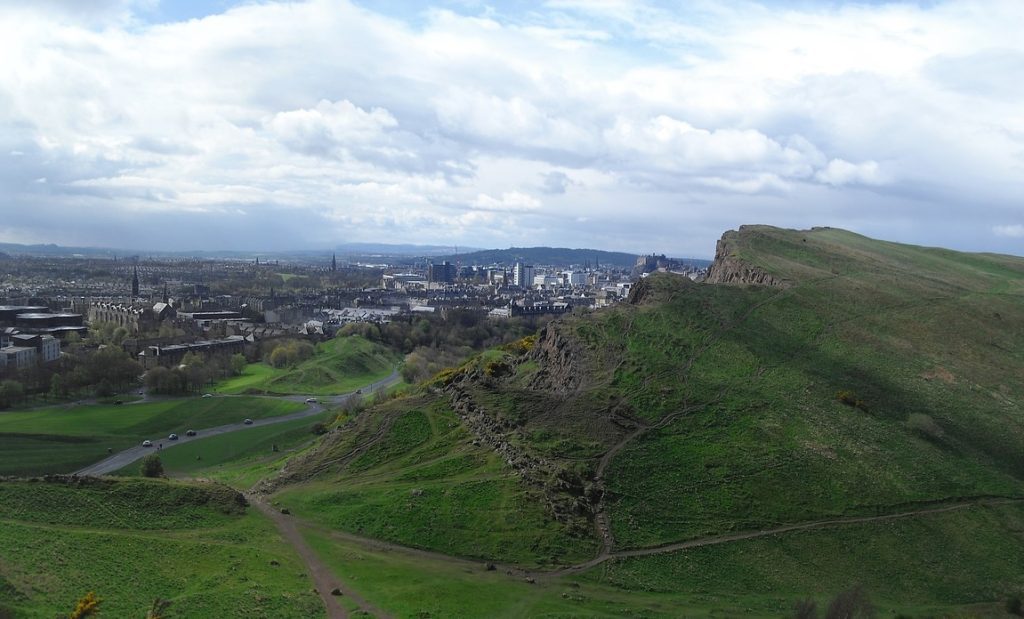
pixel 802 526
pixel 323 578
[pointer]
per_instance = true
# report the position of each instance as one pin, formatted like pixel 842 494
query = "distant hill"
pixel 540 256
pixel 391 249
pixel 834 411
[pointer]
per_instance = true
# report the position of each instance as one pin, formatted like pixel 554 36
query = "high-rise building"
pixel 443 273
pixel 522 275
pixel 135 282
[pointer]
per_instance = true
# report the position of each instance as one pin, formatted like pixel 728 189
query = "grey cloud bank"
pixel 619 125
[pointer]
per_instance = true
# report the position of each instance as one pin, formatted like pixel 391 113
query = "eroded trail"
pixel 324 579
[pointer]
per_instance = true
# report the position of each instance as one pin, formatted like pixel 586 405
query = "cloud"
pixel 330 128
pixel 618 124
pixel 1013 231
pixel 840 172
pixel 509 201
pixel 556 182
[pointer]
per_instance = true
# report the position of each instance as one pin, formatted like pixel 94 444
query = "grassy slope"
pixel 768 442
pixel 749 377
pixel 238 459
pixel 407 472
pixel 135 540
pixel 63 439
pixel 340 365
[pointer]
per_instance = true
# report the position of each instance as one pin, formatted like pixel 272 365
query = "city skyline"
pixel 612 125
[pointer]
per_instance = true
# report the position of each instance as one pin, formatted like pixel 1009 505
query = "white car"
pixel 207 395
pixel 310 400
pixel 147 443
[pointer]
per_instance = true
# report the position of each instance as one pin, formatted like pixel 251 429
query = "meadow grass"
pixel 340 365
pixel 132 541
pixel 64 439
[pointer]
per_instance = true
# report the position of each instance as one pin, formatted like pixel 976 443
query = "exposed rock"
pixel 559 358
pixel 729 268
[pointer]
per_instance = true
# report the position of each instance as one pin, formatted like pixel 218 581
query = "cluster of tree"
pixel 456 329
pixel 114 335
pixel 194 372
pixel 435 342
pixel 80 371
pixel 284 353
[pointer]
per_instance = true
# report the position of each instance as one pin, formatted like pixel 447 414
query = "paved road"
pixel 126 457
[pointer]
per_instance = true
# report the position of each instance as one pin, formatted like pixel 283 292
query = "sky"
pixel 613 124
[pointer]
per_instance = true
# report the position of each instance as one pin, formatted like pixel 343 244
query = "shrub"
pixel 806 609
pixel 850 398
pixel 152 466
pixel 853 603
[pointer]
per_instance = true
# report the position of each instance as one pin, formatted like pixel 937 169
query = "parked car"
pixel 310 400
pixel 207 395
pixel 147 443
pixel 172 437
pixel 190 433
pixel 248 422
pixel 118 401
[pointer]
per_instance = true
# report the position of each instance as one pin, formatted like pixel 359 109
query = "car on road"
pixel 147 443
pixel 190 433
pixel 359 390
pixel 310 400
pixel 207 395
pixel 118 401
pixel 172 437
pixel 248 422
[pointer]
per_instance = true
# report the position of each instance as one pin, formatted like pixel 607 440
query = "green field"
pixel 132 541
pixel 238 459
pixel 340 365
pixel 64 439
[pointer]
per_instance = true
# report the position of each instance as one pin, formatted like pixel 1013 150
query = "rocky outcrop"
pixel 566 495
pixel 560 359
pixel 729 268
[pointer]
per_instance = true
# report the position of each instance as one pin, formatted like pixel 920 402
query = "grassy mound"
pixel 340 365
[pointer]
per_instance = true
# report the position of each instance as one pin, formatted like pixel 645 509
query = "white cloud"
pixel 1013 231
pixel 840 172
pixel 509 201
pixel 631 120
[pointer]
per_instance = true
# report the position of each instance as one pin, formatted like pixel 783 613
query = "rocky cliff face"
pixel 560 359
pixel 728 268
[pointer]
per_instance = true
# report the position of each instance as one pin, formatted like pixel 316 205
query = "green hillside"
pixel 855 420
pixel 340 365
pixel 132 541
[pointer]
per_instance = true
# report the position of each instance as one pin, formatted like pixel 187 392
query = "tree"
pixel 238 363
pixel 58 386
pixel 11 392
pixel 152 466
